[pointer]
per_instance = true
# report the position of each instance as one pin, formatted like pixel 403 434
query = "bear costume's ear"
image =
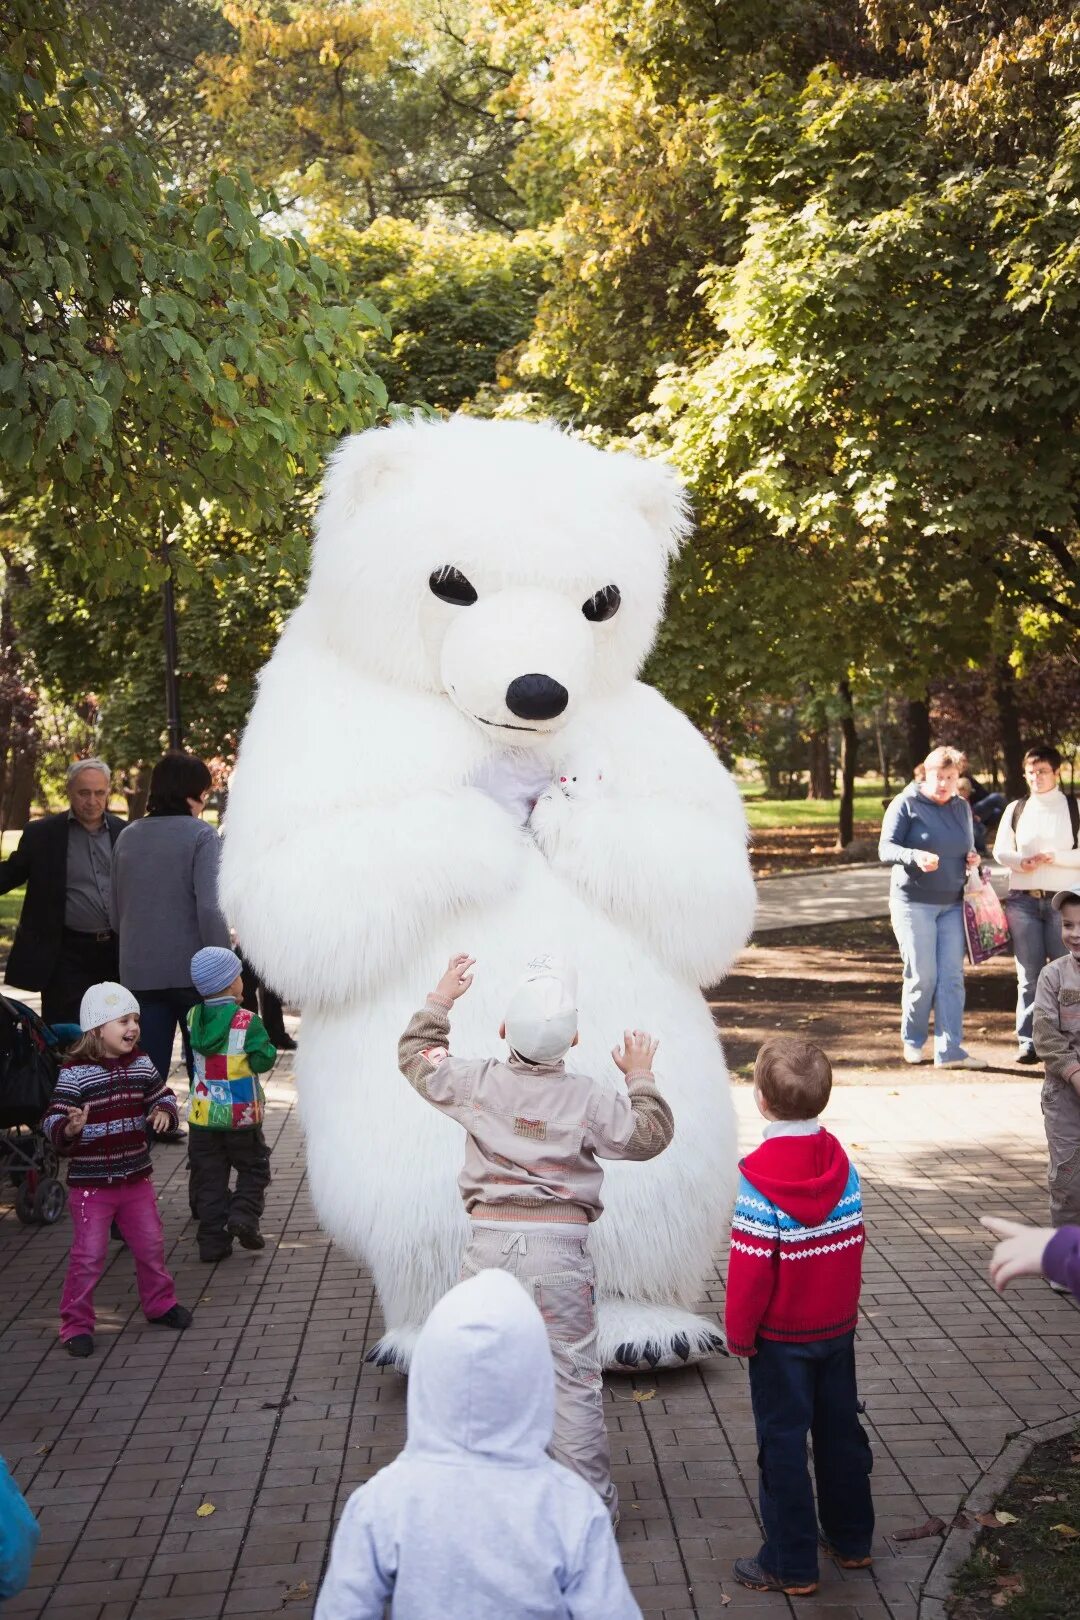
pixel 364 462
pixel 659 495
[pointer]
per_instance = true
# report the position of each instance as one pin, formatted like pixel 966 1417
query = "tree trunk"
pixel 917 726
pixel 1012 746
pixel 137 795
pixel 19 787
pixel 883 758
pixel 849 756
pixel 822 779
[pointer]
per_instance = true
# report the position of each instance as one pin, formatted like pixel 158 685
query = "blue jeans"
pixel 931 941
pixel 1036 938
pixel 809 1389
pixel 160 1012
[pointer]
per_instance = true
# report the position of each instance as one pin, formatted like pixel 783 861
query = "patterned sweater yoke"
pixel 797 1240
pixel 120 1096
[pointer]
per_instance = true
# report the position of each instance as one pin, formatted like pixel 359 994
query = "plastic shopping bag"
pixel 985 927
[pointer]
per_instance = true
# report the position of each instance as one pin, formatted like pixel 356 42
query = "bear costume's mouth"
pixel 503 725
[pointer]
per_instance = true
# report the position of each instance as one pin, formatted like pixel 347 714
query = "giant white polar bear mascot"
pixel 482 595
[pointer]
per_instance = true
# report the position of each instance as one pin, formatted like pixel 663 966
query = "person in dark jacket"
pixel 64 942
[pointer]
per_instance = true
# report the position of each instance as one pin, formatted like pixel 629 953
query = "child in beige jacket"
pixel 531 1182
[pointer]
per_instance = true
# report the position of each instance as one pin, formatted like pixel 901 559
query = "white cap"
pixel 104 1002
pixel 542 1019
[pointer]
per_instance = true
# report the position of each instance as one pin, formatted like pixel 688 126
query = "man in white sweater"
pixel 1037 840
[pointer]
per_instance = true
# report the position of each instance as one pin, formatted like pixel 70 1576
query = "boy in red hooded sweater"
pixel 797 1240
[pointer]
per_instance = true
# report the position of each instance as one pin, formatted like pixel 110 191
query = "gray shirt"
pixel 89 878
pixel 164 899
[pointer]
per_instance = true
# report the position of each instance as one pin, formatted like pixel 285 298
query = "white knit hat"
pixel 542 1019
pixel 104 1002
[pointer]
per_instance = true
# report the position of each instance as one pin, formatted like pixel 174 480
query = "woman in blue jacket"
pixel 928 838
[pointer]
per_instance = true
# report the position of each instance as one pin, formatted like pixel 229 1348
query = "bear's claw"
pixel 383 1355
pixel 636 1357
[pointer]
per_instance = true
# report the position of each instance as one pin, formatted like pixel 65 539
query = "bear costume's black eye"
pixel 604 605
pixel 450 585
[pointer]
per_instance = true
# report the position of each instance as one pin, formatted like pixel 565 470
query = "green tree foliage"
pixel 824 256
pixel 457 302
pixel 357 111
pixel 158 349
pixel 231 606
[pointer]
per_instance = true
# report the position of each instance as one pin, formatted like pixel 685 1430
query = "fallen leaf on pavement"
pixel 960 1522
pixel 644 1394
pixel 724 1600
pixel 204 1510
pixel 1005 1518
pixel 989 1521
pixel 43 1450
pixel 1047 1498
pixel 1065 1530
pixel 300 1590
pixel 932 1527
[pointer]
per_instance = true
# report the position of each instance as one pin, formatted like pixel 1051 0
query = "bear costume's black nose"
pixel 536 697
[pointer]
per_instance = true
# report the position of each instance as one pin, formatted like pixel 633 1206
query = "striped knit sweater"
pixel 120 1094
pixel 797 1242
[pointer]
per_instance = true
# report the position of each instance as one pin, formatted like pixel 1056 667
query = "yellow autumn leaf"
pixel 204 1510
pixel 644 1394
pixel 1065 1530
pixel 228 370
pixel 1005 1518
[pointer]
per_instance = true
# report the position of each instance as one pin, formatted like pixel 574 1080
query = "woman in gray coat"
pixel 165 901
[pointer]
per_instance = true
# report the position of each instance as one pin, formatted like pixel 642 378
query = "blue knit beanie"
pixel 213 969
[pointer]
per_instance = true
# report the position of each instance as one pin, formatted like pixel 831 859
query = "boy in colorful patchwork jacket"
pixel 794 1275
pixel 231 1049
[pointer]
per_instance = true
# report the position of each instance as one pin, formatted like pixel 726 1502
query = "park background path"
pixel 266 1409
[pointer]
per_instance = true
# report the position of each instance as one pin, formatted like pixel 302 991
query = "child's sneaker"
pixel 177 1316
pixel 748 1572
pixel 80 1344
pixel 248 1237
pixel 840 1561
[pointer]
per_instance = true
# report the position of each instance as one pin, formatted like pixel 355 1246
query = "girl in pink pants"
pixel 106 1092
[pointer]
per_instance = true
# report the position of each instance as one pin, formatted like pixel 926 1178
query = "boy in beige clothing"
pixel 531 1182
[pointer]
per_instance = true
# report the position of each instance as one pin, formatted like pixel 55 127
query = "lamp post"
pixel 172 656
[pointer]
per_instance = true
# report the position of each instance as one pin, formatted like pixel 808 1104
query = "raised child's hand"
pixel 161 1120
pixel 1020 1252
pixel 637 1053
pixel 76 1119
pixel 457 978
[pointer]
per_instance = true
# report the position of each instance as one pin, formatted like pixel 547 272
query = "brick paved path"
pixel 265 1409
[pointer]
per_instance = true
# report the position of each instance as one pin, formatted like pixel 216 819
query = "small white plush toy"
pixel 482 596
pixel 579 782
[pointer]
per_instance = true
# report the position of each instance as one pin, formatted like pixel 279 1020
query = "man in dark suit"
pixel 64 942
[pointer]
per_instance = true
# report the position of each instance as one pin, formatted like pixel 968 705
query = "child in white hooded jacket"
pixel 474 1521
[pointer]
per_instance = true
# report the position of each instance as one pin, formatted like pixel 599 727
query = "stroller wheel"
pixel 49 1200
pixel 24 1204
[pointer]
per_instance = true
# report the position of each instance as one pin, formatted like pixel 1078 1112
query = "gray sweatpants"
pixel 556 1268
pixel 1061 1116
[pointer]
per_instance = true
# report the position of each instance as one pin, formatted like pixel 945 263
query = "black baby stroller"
pixel 28 1070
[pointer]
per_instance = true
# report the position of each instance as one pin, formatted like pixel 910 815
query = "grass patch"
pixel 10 906
pixel 764 813
pixel 1029 1570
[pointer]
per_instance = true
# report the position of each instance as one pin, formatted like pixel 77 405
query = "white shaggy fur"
pixel 371 833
